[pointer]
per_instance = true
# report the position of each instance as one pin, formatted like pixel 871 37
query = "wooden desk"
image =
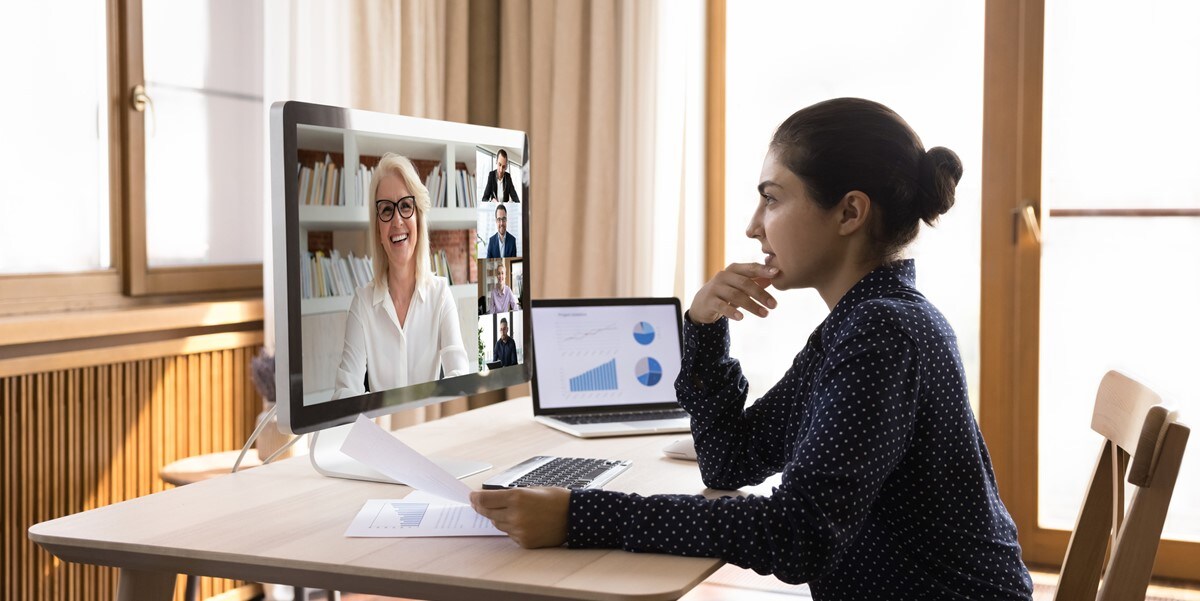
pixel 285 523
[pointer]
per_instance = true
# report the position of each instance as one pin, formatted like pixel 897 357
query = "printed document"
pixel 379 450
pixel 418 515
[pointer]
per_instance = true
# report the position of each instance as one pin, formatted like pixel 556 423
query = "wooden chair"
pixel 1135 426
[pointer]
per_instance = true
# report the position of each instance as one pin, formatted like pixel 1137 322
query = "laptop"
pixel 607 367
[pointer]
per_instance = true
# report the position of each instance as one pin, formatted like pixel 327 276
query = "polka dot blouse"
pixel 887 489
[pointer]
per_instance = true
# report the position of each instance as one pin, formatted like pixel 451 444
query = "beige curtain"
pixel 411 57
pixel 577 75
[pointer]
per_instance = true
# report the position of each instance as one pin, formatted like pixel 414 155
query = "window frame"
pixel 31 293
pixel 138 277
pixel 130 279
pixel 1011 286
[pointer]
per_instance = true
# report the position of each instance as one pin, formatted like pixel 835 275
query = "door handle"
pixel 1028 213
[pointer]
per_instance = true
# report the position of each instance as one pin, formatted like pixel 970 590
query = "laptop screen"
pixel 614 354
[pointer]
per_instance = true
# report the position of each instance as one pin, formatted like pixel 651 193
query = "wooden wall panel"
pixel 81 438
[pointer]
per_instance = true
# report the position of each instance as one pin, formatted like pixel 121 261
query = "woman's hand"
pixel 533 517
pixel 739 286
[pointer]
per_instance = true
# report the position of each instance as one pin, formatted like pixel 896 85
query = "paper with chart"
pixel 379 450
pixel 419 514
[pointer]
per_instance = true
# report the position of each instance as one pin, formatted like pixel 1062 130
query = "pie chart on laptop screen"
pixel 649 371
pixel 643 333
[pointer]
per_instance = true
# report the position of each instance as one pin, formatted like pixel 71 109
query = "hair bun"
pixel 940 171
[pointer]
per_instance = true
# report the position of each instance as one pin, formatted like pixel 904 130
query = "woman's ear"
pixel 853 211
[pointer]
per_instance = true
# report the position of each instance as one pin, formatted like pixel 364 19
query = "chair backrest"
pixel 1136 426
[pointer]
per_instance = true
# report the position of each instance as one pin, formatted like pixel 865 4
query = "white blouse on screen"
pixel 393 355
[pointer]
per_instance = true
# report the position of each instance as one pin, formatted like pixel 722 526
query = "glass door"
pixel 1091 247
pixel 1121 235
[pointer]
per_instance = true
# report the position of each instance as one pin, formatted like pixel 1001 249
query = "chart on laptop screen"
pixel 606 356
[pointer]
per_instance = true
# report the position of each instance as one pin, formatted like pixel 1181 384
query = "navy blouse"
pixel 887 489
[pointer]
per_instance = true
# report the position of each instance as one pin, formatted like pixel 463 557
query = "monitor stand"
pixel 324 451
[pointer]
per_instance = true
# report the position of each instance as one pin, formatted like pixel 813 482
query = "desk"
pixel 285 523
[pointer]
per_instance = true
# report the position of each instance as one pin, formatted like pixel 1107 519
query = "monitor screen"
pixel 399 261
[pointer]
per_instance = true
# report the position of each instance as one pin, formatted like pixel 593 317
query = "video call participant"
pixel 403 327
pixel 508 192
pixel 506 348
pixel 502 299
pixel 502 244
pixel 887 489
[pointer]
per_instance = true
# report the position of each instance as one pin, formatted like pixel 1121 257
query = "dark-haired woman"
pixel 887 490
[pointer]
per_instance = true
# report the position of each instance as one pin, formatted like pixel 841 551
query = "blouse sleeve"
pixel 864 407
pixel 451 352
pixel 736 446
pixel 353 367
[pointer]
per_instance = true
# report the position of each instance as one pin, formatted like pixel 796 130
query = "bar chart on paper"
pixel 601 377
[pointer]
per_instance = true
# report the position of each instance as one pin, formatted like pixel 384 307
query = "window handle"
pixel 1027 213
pixel 140 101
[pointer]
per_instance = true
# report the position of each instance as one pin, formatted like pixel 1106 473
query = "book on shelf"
pixel 440 265
pixel 318 183
pixel 330 178
pixel 305 278
pixel 331 275
pixel 456 249
pixel 431 184
pixel 364 184
pixel 324 182
pixel 464 188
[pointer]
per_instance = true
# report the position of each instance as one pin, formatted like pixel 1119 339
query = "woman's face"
pixel 798 236
pixel 501 275
pixel 398 236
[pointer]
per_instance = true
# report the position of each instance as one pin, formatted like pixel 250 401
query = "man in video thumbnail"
pixel 502 244
pixel 506 347
pixel 507 192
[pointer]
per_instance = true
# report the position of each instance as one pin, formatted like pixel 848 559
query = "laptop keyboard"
pixel 565 472
pixel 627 416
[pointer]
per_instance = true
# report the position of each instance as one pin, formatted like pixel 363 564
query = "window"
pixel 56 193
pixel 195 160
pixel 106 202
pixel 1087 107
pixel 925 61
pixel 204 166
pixel 1120 275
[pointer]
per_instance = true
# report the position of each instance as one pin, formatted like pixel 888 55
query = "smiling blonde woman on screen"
pixel 403 326
pixel 887 490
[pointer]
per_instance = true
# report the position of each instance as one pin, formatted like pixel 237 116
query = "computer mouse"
pixel 684 448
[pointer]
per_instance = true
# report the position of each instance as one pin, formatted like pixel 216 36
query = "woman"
pixel 403 326
pixel 502 299
pixel 887 490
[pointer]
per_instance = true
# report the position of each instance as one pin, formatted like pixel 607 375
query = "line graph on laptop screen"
pixel 611 355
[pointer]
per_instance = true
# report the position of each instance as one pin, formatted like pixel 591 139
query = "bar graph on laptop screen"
pixel 610 355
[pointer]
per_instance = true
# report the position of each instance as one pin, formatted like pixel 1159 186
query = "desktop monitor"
pixel 365 203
